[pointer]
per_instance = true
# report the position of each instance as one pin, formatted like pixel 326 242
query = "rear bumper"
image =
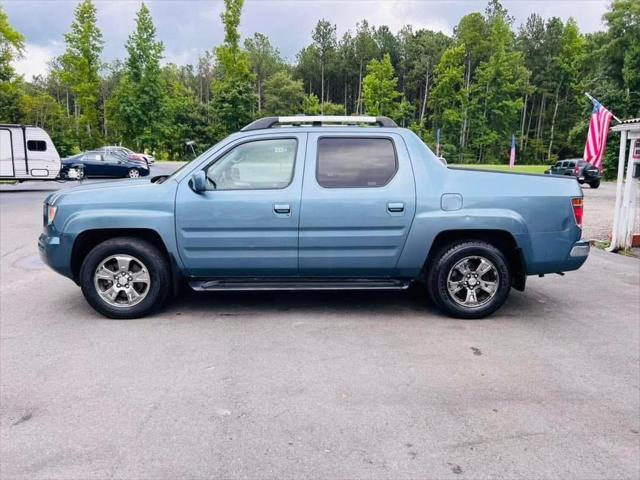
pixel 553 252
pixel 580 249
pixel 577 256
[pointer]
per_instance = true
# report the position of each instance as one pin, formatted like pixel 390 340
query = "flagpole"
pixel 594 100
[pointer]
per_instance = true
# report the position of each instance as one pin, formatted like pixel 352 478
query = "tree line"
pixel 487 81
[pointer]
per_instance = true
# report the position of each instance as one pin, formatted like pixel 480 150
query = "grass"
pixel 503 168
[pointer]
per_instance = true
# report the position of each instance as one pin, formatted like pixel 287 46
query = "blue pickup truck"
pixel 312 203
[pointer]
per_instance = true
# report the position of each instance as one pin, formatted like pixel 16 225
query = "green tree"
pixel 569 85
pixel 448 98
pixel 306 67
pixel 311 105
pixel 324 37
pixel 138 103
pixel 379 88
pixel 283 95
pixel 233 97
pixel 472 32
pixel 424 49
pixel 11 48
pixel 80 66
pixel 365 50
pixel 264 59
pixel 497 94
pixel 622 48
pixel 182 116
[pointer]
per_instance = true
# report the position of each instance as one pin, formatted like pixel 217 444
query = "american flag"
pixel 597 136
pixel 512 156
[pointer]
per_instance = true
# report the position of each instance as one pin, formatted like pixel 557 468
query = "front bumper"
pixel 55 254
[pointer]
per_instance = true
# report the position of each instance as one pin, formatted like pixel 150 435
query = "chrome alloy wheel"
pixel 133 173
pixel 473 281
pixel 122 280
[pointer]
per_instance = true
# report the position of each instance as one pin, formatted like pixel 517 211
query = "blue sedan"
pixel 96 164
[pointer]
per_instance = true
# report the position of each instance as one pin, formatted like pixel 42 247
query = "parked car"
pixel 577 167
pixel 102 165
pixel 314 206
pixel 143 157
pixel 27 153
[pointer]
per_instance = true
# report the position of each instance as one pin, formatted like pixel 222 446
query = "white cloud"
pixel 189 27
pixel 36 59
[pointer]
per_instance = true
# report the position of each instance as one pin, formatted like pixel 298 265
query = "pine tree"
pixel 264 60
pixel 324 38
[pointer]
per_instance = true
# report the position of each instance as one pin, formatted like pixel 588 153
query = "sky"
pixel 189 27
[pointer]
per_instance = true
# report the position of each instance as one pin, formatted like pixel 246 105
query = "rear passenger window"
pixel 355 162
pixel 36 145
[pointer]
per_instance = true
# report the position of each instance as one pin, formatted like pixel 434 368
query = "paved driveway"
pixel 316 385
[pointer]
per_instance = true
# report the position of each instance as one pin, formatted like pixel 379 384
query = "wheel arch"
pixel 88 239
pixel 501 239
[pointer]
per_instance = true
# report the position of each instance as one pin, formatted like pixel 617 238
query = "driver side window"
pixel 256 165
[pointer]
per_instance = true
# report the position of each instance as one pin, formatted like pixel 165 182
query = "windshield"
pixel 206 153
pixel 179 170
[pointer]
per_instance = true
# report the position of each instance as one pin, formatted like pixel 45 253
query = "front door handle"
pixel 395 207
pixel 281 208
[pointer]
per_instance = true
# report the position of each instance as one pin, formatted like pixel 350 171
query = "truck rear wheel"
pixel 594 183
pixel 125 277
pixel 469 279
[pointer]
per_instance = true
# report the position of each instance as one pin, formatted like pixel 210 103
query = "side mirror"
pixel 199 181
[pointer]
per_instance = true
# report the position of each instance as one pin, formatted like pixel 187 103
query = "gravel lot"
pixel 599 207
pixel 317 385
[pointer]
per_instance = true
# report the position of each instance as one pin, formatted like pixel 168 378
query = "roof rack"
pixel 319 120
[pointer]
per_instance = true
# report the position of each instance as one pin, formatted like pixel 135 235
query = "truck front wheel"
pixel 125 277
pixel 469 279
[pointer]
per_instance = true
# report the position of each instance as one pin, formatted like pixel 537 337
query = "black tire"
pixel 594 184
pixel 444 261
pixel 159 290
pixel 133 173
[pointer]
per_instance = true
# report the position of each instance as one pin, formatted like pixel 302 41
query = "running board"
pixel 239 284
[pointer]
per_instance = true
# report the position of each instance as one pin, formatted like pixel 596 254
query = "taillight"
pixel 578 210
pixel 577 170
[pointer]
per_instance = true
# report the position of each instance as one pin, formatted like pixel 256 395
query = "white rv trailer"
pixel 27 153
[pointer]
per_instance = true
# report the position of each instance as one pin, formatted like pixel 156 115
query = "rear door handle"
pixel 281 209
pixel 397 207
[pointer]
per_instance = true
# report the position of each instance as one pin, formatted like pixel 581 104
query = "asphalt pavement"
pixel 315 385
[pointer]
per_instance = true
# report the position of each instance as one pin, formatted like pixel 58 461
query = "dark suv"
pixel 583 171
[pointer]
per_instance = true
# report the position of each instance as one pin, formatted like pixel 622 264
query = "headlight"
pixel 51 213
